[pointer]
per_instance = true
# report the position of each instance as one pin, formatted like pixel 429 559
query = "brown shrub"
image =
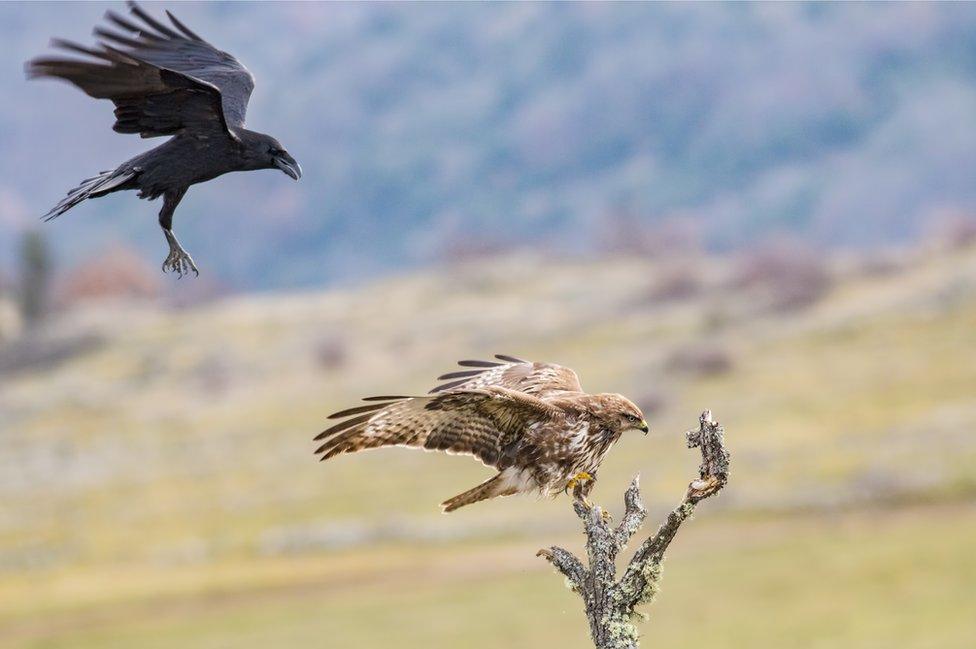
pixel 214 374
pixel 882 264
pixel 196 291
pixel 791 277
pixel 460 248
pixel 119 272
pixel 960 232
pixel 676 285
pixel 652 402
pixel 331 353
pixel 624 232
pixel 700 361
pixel 41 353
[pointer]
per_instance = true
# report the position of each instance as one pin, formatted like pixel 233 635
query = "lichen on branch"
pixel 611 604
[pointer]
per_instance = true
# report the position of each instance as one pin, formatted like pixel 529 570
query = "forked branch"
pixel 611 604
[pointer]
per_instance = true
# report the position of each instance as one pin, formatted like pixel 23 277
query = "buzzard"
pixel 530 421
pixel 165 80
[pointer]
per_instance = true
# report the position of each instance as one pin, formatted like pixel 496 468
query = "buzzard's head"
pixel 620 414
pixel 264 152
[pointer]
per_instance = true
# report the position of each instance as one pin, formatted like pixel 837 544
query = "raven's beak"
pixel 289 165
pixel 644 427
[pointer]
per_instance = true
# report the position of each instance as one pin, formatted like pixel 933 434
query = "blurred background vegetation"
pixel 431 129
pixel 766 210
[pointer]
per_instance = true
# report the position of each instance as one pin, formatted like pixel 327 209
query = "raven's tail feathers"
pixel 104 183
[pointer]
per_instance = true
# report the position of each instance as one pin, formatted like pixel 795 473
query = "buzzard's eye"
pixel 632 418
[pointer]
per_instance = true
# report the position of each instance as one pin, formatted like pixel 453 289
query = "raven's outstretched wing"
pixel 487 424
pixel 162 79
pixel 537 379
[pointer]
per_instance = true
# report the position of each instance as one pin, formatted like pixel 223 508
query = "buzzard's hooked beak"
pixel 289 165
pixel 644 427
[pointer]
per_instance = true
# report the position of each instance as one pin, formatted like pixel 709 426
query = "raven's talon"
pixel 180 263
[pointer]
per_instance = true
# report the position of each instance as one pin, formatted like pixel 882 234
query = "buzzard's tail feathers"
pixel 491 488
pixel 105 182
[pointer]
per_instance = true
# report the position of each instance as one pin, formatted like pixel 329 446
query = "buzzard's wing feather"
pixel 538 379
pixel 486 424
pixel 161 80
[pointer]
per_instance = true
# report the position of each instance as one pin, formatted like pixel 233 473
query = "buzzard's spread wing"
pixel 538 379
pixel 162 79
pixel 487 424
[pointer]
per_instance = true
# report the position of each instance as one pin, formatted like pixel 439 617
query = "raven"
pixel 166 80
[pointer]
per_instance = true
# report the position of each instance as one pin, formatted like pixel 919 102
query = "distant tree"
pixel 10 319
pixel 36 266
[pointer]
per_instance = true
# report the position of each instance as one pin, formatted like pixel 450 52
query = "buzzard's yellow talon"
pixel 576 482
pixel 583 476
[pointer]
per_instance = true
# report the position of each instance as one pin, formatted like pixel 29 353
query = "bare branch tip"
pixel 596 515
pixel 632 497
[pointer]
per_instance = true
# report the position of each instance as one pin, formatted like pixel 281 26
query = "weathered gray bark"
pixel 611 604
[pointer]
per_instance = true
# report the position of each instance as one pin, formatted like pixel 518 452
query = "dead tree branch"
pixel 611 604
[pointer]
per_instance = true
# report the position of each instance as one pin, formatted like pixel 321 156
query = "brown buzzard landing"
pixel 530 421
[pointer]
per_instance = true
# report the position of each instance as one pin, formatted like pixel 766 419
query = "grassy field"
pixel 160 489
pixel 884 578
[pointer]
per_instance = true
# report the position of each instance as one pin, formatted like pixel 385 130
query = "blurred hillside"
pixel 159 487
pixel 427 129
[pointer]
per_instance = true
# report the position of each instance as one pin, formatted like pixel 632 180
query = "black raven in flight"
pixel 166 80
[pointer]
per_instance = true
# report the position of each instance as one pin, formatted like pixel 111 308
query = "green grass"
pixel 857 580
